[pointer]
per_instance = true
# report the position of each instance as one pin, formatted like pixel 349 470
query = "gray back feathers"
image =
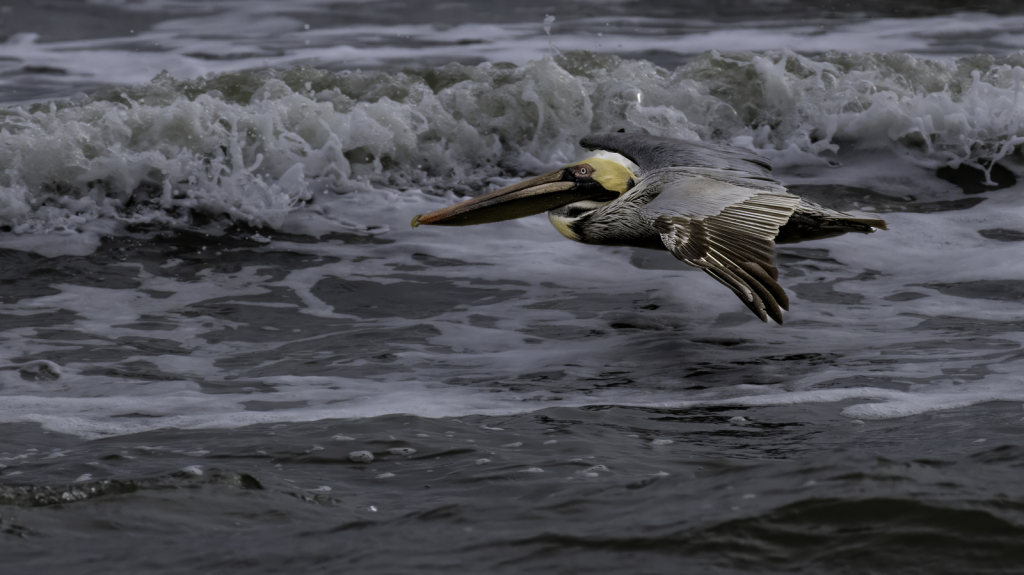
pixel 654 152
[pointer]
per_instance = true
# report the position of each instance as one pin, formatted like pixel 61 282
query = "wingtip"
pixel 874 223
pixel 772 295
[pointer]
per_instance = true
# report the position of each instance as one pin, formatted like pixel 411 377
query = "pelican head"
pixel 574 189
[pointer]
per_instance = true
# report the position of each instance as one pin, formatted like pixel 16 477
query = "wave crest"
pixel 252 146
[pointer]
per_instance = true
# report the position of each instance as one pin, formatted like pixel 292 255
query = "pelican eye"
pixel 583 171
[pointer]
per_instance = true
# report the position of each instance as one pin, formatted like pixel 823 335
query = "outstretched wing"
pixel 720 212
pixel 727 231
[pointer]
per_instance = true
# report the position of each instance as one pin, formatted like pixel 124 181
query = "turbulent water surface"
pixel 213 310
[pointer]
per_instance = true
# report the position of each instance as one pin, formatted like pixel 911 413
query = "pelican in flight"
pixel 715 208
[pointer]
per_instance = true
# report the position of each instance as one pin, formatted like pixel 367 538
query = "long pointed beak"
pixel 534 196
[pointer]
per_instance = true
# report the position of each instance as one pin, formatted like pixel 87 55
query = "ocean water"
pixel 223 349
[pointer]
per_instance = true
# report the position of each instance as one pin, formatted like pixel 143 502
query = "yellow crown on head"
pixel 610 174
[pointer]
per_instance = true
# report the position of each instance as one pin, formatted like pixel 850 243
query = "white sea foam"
pixel 880 341
pixel 311 152
pixel 254 146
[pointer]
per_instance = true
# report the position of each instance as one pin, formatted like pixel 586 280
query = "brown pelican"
pixel 716 208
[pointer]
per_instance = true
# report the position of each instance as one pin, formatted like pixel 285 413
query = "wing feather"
pixel 718 209
pixel 726 229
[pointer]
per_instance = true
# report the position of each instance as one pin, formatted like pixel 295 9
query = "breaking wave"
pixel 249 147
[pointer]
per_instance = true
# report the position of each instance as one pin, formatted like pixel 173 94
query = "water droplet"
pixel 548 20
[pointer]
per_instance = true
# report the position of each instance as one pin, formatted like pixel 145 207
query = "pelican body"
pixel 713 207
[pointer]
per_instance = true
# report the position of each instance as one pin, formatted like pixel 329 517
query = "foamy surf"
pixel 221 342
pixel 380 319
pixel 251 147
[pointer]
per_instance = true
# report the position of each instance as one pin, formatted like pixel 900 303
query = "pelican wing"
pixel 716 208
pixel 654 152
pixel 725 225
